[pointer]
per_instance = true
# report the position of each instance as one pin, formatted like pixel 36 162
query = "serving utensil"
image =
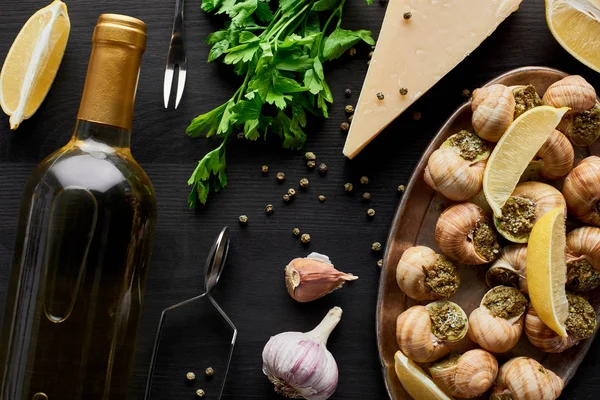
pixel 176 57
pixel 199 332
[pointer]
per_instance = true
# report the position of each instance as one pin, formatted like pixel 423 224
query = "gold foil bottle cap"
pixel 120 28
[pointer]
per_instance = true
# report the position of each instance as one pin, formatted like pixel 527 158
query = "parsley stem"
pixel 284 27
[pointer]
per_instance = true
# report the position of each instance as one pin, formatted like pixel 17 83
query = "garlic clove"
pixel 299 364
pixel 310 278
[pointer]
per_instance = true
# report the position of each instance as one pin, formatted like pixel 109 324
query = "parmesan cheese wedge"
pixel 417 52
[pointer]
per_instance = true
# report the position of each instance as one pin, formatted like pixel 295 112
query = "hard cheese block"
pixel 417 52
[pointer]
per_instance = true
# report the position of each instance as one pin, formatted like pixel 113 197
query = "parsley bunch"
pixel 279 48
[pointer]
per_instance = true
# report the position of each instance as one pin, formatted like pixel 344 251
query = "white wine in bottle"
pixel 83 243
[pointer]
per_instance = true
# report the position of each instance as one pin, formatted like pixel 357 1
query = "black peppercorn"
pixel 303 183
pixel 380 96
pixel 416 116
pixel 401 189
pixel 344 126
pixel 296 232
pixel 371 212
pixel 311 164
pixel 200 393
pixel 305 238
pixel 376 247
pixel 380 263
pixel 347 92
pixel 209 371
pixel 321 198
pixel 243 220
pixel 264 169
pixel 323 169
pixel 403 91
pixel 286 198
pixel 280 177
pixel 366 196
pixel 407 15
pixel 364 180
pixel 348 187
pixel 349 109
pixel 352 51
pixel 269 209
pixel 291 192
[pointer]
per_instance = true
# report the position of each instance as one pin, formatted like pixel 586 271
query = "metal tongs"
pixel 184 317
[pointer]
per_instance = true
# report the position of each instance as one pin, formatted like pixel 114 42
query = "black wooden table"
pixel 252 290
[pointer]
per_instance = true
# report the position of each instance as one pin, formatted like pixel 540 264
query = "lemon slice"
pixel 575 24
pixel 515 149
pixel 416 382
pixel 32 62
pixel 547 270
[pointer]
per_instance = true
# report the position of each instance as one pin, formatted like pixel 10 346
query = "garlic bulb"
pixel 582 128
pixel 573 92
pixel 310 278
pixel 498 322
pixel 428 333
pixel 299 364
pixel 523 378
pixel 583 259
pixel 456 168
pixel 510 268
pixel 582 191
pixel 580 323
pixel 465 234
pixel 424 275
pixel 528 202
pixel 556 156
pixel 465 376
pixel 526 98
pixel 493 111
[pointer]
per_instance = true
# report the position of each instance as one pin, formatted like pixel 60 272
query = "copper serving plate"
pixel 414 223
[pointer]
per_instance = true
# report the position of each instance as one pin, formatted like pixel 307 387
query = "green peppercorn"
pixel 200 393
pixel 364 180
pixel 344 126
pixel 190 376
pixel 403 91
pixel 243 220
pixel 269 209
pixel 366 196
pixel 209 371
pixel 380 263
pixel 264 169
pixel 321 198
pixel 349 109
pixel 303 183
pixel 286 198
pixel 280 177
pixel 305 238
pixel 323 169
pixel 291 192
pixel 347 92
pixel 310 156
pixel 376 247
pixel 348 187
pixel 311 164
pixel 407 15
pixel 401 189
pixel 371 212
pixel 296 232
pixel 380 96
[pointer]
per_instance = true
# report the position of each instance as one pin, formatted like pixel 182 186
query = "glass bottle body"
pixel 76 287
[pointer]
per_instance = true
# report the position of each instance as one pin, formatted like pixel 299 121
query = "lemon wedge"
pixel 32 62
pixel 575 24
pixel 547 270
pixel 515 149
pixel 416 382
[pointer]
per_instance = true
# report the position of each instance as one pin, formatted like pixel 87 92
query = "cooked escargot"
pixel 523 378
pixel 583 128
pixel 555 157
pixel 498 322
pixel 526 98
pixel 456 168
pixel 573 92
pixel 580 324
pixel 464 233
pixel 466 375
pixel 425 275
pixel 528 202
pixel 428 333
pixel 493 109
pixel 583 259
pixel 582 191
pixel 510 268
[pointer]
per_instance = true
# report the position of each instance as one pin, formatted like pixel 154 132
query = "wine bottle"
pixel 83 244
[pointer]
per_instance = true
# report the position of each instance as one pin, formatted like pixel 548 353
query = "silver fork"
pixel 176 57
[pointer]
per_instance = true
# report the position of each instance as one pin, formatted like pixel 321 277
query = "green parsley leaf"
pixel 341 40
pixel 324 5
pixel 218 49
pixel 209 174
pixel 208 122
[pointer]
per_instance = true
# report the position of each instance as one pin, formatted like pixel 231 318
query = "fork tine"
pixel 180 84
pixel 169 71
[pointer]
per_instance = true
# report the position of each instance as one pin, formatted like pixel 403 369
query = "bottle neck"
pixel 100 135
pixel 110 86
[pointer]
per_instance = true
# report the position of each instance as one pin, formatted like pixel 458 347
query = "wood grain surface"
pixel 251 289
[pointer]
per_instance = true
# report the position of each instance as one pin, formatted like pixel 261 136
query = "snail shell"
pixel 464 233
pixel 583 259
pixel 498 322
pixel 510 268
pixel 456 168
pixel 582 191
pixel 545 339
pixel 465 376
pixel 556 156
pixel 572 91
pixel 523 378
pixel 582 128
pixel 422 331
pixel 424 275
pixel 528 202
pixel 493 111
